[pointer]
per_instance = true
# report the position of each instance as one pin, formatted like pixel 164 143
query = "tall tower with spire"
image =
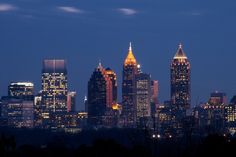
pixel 180 82
pixel 128 90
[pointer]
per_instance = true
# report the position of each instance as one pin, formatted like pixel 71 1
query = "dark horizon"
pixel 83 32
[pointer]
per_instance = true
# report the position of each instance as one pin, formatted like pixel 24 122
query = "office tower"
pixel 215 108
pixel 230 116
pixel 180 82
pixel 38 119
pixel 164 118
pixel 142 99
pixel 54 85
pixel 24 90
pixel 112 77
pixel 218 98
pixel 154 91
pixel 130 69
pixel 18 113
pixel 71 102
pixel 101 95
pixel 154 96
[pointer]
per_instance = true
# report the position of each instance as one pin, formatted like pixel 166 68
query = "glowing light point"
pixel 180 45
pixel 138 66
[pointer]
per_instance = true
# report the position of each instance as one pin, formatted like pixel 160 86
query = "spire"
pixel 130 47
pixel 130 59
pixel 100 64
pixel 180 53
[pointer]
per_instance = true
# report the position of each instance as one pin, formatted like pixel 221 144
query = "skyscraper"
pixel 54 85
pixel 102 93
pixel 154 96
pixel 18 112
pixel 215 109
pixel 23 90
pixel 71 101
pixel 128 90
pixel 113 87
pixel 154 91
pixel 18 106
pixel 180 82
pixel 142 99
pixel 218 98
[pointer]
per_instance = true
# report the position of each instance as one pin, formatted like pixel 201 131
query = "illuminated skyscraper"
pixel 154 96
pixel 218 98
pixel 71 102
pixel 154 91
pixel 215 109
pixel 180 82
pixel 112 77
pixel 18 106
pixel 230 116
pixel 24 90
pixel 142 99
pixel 18 112
pixel 130 69
pixel 54 85
pixel 102 94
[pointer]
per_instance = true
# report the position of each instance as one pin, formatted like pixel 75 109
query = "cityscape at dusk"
pixel 139 76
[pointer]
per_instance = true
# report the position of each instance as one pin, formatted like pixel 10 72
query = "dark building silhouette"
pixel 128 90
pixel 102 94
pixel 180 82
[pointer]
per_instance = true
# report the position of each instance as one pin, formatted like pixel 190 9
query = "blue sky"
pixel 82 32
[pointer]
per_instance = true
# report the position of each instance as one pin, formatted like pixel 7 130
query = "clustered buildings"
pixel 54 107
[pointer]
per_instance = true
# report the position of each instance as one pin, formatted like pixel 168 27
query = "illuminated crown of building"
pixel 130 59
pixel 180 53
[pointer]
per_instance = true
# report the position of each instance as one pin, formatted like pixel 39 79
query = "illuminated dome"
pixel 130 59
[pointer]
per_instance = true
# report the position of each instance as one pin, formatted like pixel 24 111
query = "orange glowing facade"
pixel 130 69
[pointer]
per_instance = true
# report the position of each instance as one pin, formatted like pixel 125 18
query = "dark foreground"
pixel 109 143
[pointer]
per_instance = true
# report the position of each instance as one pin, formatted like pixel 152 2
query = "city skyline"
pixel 34 31
pixel 80 104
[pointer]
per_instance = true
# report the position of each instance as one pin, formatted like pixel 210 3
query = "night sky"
pixel 84 31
